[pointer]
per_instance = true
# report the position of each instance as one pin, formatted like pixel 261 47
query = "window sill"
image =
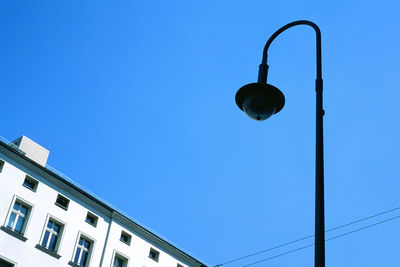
pixel 73 264
pixel 14 234
pixel 154 259
pixel 126 243
pixel 48 251
pixel 32 189
pixel 61 206
pixel 92 224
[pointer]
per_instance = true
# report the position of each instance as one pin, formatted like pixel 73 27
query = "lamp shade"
pixel 259 100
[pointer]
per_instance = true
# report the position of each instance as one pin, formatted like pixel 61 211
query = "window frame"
pixel 118 254
pixel 2 163
pixel 60 234
pixel 95 217
pixel 27 217
pixel 77 245
pixel 35 183
pixel 157 257
pixel 126 234
pixel 6 260
pixel 59 205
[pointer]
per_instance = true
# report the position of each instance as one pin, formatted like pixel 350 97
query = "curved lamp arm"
pixel 263 69
pixel 319 154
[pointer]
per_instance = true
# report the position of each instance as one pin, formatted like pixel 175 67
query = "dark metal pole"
pixel 319 260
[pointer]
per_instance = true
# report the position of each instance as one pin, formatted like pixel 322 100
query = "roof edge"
pixel 101 203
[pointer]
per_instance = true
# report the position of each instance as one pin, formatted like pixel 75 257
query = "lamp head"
pixel 260 100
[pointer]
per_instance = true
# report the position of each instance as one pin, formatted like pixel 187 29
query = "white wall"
pixel 109 225
pixel 137 251
pixel 25 253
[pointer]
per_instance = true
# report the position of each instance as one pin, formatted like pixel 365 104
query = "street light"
pixel 261 100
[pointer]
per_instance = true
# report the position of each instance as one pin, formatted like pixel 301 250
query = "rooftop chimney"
pixel 32 150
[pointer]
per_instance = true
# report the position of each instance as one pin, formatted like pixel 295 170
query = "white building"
pixel 48 221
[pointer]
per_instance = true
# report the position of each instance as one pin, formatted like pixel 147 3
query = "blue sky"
pixel 135 101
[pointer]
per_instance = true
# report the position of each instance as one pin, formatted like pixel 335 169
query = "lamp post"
pixel 261 100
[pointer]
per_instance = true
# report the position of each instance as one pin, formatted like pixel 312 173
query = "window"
pixel 4 263
pixel 52 235
pixel 18 217
pixel 125 237
pixel 30 183
pixel 82 252
pixel 154 254
pixel 91 219
pixel 62 202
pixel 119 261
pixel 1 167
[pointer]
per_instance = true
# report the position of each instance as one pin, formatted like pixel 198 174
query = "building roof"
pixel 141 230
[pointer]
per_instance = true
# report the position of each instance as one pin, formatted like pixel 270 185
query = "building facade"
pixel 48 221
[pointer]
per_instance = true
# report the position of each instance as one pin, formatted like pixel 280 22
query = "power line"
pixel 363 219
pixel 363 228
pixel 341 235
pixel 306 237
pixel 279 255
pixel 265 250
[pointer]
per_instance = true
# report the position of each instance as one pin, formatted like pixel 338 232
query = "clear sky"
pixel 135 101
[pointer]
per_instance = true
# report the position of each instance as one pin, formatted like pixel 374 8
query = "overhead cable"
pixel 309 236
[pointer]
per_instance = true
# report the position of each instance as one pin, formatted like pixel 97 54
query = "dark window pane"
pixel 118 262
pixel 91 219
pixel 153 254
pixel 5 264
pixel 84 258
pixel 126 238
pixel 29 184
pixel 53 241
pixel 45 238
pixel 23 209
pixel 86 244
pixel 1 168
pixel 56 227
pixel 16 206
pixel 20 223
pixel 11 220
pixel 62 201
pixel 78 251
